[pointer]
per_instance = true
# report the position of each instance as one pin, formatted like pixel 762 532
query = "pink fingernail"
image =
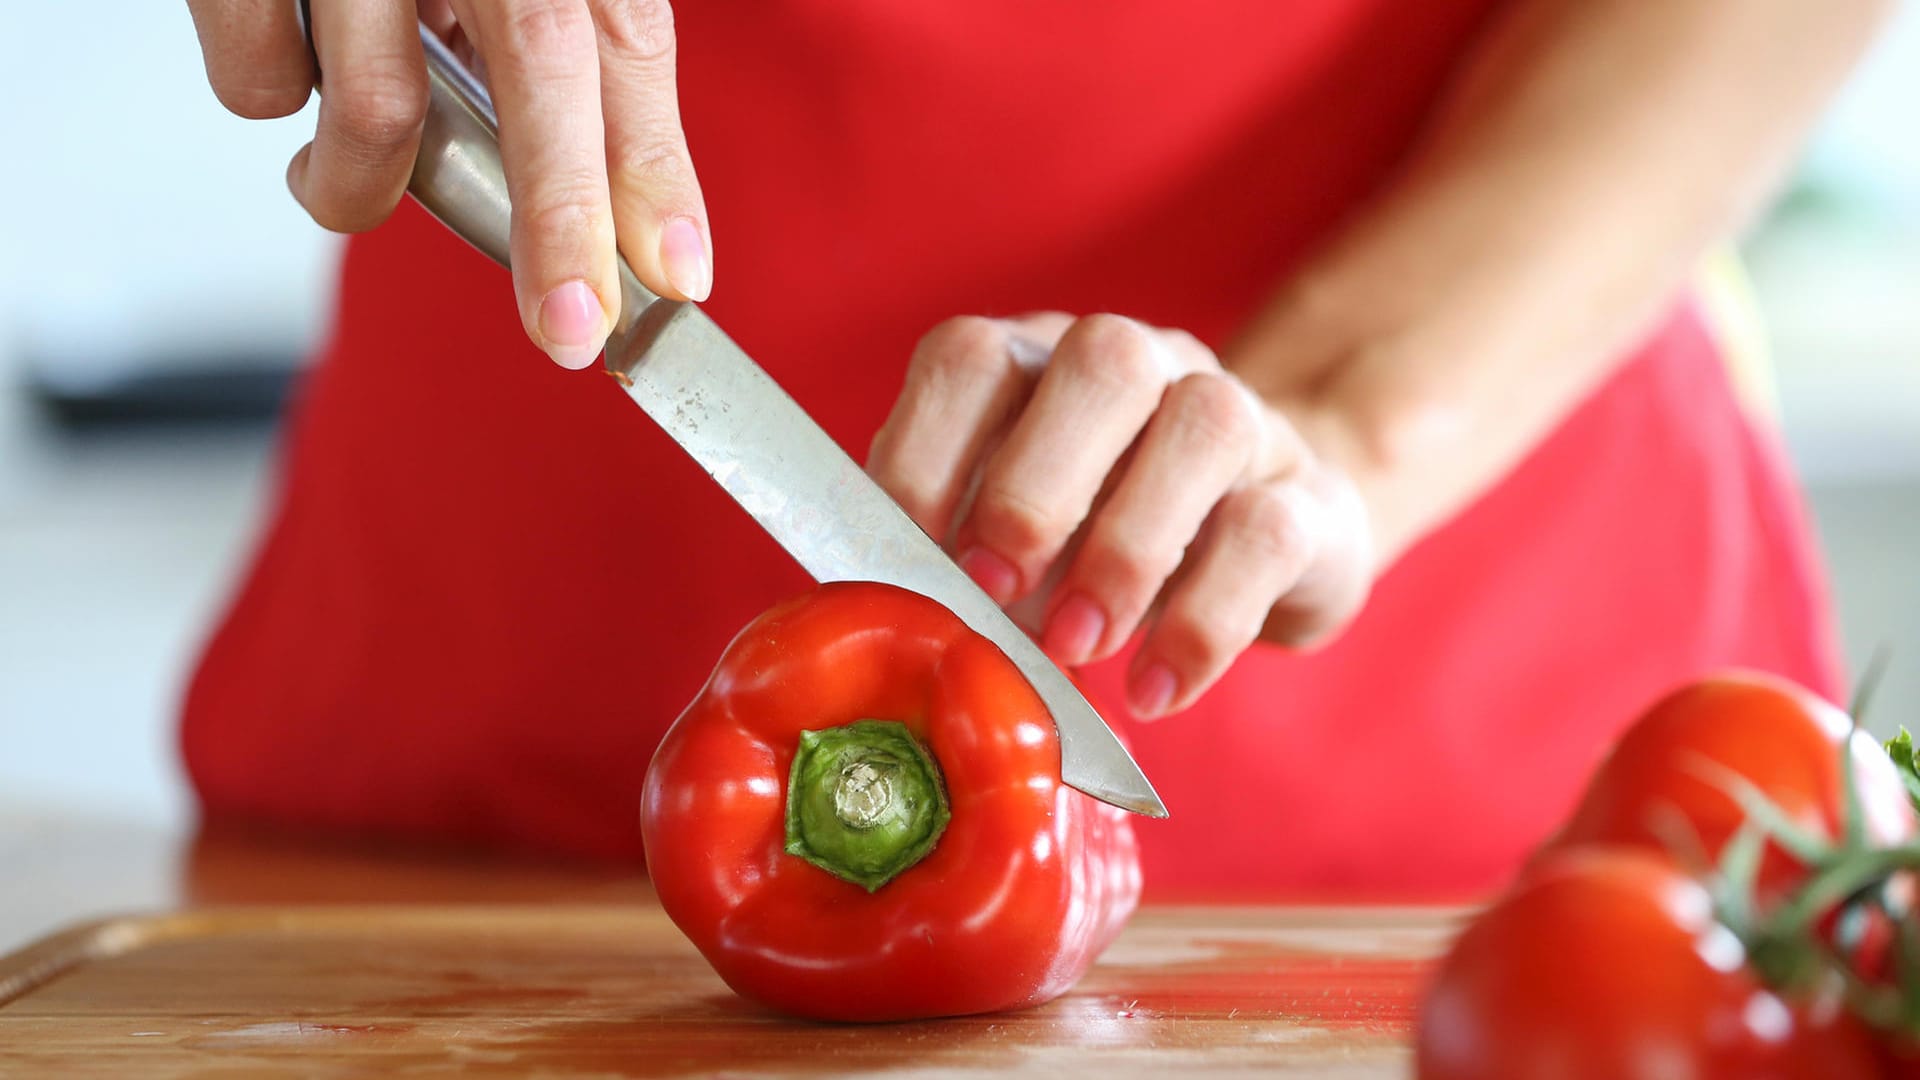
pixel 992 573
pixel 683 257
pixel 573 324
pixel 1152 691
pixel 1075 629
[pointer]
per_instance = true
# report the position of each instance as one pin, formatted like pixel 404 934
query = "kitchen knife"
pixel 751 437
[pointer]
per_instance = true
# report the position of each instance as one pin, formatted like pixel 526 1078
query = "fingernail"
pixel 1075 629
pixel 1152 691
pixel 683 257
pixel 573 324
pixel 992 573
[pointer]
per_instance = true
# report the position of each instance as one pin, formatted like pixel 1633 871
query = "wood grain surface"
pixel 613 989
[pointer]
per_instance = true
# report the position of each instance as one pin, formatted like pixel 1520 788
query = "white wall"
pixel 137 218
pixel 140 215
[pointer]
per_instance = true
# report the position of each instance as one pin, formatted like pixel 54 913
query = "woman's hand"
pixel 1132 482
pixel 1425 350
pixel 589 134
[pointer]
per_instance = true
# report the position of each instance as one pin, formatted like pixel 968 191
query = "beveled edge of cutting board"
pixel 40 962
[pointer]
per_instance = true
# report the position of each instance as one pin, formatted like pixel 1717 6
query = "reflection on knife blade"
pixel 766 452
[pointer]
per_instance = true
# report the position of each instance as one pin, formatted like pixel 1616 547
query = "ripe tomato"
pixel 1607 964
pixel 1782 738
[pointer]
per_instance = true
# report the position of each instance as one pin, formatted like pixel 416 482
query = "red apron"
pixel 489 584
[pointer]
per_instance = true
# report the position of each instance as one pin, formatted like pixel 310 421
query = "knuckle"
pixel 642 29
pixel 1112 350
pixel 568 214
pixel 378 108
pixel 1265 523
pixel 1212 411
pixel 1196 642
pixel 1129 571
pixel 1016 525
pixel 653 163
pixel 547 30
pixel 961 348
pixel 1116 332
pixel 1186 341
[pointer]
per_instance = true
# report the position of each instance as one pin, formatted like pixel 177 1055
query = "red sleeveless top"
pixel 488 584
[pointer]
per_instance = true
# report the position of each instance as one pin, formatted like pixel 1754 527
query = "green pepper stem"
pixel 865 801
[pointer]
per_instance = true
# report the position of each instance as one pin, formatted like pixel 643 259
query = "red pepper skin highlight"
pixel 1027 883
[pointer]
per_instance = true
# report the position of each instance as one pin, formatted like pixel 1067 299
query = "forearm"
pixel 1590 151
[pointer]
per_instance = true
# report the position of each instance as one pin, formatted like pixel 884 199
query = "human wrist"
pixel 1345 370
pixel 1423 378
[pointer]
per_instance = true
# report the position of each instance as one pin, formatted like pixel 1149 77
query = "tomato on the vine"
pixel 1672 766
pixel 1608 964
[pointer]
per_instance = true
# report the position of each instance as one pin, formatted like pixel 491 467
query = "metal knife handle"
pixel 457 174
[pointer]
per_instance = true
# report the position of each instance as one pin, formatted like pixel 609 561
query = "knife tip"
pixel 1142 800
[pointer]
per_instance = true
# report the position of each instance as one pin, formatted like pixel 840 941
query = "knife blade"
pixel 764 450
pixel 752 438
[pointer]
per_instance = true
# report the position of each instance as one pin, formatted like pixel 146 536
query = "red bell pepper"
pixel 860 817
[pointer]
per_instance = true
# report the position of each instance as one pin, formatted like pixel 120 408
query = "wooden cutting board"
pixel 616 991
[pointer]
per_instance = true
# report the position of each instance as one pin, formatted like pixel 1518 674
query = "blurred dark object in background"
pixel 160 390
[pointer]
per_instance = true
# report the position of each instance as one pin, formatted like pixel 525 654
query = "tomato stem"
pixel 865 801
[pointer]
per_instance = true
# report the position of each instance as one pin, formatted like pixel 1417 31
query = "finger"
pixel 443 22
pixel 1099 389
pixel 966 379
pixel 354 172
pixel 1203 439
pixel 1334 586
pixel 1256 546
pixel 543 69
pixel 256 57
pixel 437 16
pixel 658 211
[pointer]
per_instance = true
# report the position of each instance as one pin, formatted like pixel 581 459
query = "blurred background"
pixel 159 291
